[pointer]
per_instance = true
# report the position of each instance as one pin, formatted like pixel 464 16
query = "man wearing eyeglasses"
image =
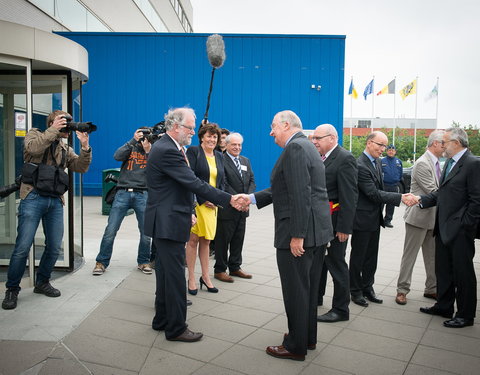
pixel 456 226
pixel 341 179
pixel 369 218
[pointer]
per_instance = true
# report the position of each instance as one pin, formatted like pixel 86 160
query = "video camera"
pixel 78 126
pixel 154 133
pixel 5 191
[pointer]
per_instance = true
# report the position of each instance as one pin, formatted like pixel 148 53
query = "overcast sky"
pixel 384 38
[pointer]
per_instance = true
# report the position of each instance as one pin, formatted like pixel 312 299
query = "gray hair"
pixel 290 117
pixel 177 116
pixel 238 135
pixel 459 135
pixel 330 129
pixel 436 135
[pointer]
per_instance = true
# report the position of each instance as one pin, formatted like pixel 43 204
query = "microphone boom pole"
pixel 216 57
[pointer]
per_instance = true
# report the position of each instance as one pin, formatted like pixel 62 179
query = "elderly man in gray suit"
pixel 303 227
pixel 419 223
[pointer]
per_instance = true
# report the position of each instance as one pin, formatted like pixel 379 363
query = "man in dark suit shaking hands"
pixel 232 223
pixel 341 176
pixel 457 220
pixel 302 229
pixel 168 219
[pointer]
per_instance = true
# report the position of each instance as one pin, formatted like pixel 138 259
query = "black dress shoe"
pixel 46 289
pixel 187 336
pixel 388 224
pixel 435 311
pixel 359 300
pixel 458 323
pixel 189 303
pixel 372 297
pixel 331 317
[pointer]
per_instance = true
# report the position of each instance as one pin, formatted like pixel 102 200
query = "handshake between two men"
pixel 410 200
pixel 240 202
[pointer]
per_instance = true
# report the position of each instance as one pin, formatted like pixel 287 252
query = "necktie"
pixel 184 155
pixel 438 170
pixel 449 167
pixel 237 164
pixel 323 157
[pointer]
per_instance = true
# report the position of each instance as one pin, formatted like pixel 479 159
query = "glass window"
pixel 151 15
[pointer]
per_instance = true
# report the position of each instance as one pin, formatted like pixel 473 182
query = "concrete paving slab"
pixel 446 360
pixel 314 369
pixel 160 362
pixel 210 369
pixel 18 356
pixel 243 315
pixel 452 342
pixel 220 329
pixel 259 303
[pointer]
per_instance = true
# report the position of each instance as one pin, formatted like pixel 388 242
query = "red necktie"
pixel 184 155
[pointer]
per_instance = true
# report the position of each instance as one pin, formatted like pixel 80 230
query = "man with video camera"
pixel 131 194
pixel 46 155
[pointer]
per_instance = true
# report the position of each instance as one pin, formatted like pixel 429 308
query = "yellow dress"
pixel 206 225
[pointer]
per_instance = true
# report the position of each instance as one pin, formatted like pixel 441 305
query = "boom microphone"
pixel 216 50
pixel 216 57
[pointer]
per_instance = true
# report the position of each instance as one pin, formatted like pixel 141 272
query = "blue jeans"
pixel 31 210
pixel 124 200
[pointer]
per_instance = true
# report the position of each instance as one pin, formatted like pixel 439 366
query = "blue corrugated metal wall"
pixel 135 77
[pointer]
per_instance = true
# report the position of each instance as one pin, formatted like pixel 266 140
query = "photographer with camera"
pixel 131 194
pixel 40 200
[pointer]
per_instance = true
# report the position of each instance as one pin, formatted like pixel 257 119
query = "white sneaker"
pixel 145 268
pixel 98 270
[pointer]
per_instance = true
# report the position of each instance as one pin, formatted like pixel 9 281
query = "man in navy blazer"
pixel 231 223
pixel 457 220
pixel 168 219
pixel 303 227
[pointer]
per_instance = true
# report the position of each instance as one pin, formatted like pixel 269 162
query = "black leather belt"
pixel 133 190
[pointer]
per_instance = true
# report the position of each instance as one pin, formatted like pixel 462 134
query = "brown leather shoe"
pixel 222 276
pixel 309 346
pixel 281 352
pixel 188 336
pixel 241 273
pixel 401 299
pixel 430 295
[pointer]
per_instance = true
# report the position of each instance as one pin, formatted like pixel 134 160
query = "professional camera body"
pixel 5 191
pixel 78 126
pixel 153 133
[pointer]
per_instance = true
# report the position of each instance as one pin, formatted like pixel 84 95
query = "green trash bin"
pixel 106 186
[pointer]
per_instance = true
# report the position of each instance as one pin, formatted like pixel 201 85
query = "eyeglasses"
pixel 380 144
pixel 318 138
pixel 191 128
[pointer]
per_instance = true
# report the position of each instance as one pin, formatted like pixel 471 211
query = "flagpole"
pixel 415 128
pixel 394 119
pixel 436 110
pixel 351 117
pixel 373 102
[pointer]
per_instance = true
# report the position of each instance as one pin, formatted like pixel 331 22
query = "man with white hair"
pixel 341 178
pixel 231 223
pixel 456 225
pixel 419 223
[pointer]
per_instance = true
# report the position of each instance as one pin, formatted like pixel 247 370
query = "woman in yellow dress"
pixel 207 163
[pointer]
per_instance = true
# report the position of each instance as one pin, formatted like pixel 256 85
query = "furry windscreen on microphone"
pixel 216 50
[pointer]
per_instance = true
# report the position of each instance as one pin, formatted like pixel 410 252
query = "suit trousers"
pixel 390 208
pixel 456 278
pixel 170 300
pixel 363 261
pixel 299 277
pixel 337 266
pixel 230 235
pixel 415 238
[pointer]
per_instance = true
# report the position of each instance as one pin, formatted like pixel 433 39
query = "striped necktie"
pixel 237 164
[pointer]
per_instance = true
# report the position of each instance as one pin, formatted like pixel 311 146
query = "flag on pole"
pixel 411 88
pixel 432 94
pixel 352 91
pixel 368 89
pixel 389 89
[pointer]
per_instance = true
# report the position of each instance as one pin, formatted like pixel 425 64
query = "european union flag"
pixel 368 89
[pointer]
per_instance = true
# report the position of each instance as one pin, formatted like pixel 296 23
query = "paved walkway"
pixel 101 325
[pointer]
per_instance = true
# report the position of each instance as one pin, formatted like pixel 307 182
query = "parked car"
pixel 406 181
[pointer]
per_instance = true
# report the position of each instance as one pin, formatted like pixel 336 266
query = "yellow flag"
pixel 411 88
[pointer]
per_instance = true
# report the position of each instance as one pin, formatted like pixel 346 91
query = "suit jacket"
pixel 299 196
pixel 341 175
pixel 457 199
pixel 171 182
pixel 198 163
pixel 424 181
pixel 371 197
pixel 235 184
